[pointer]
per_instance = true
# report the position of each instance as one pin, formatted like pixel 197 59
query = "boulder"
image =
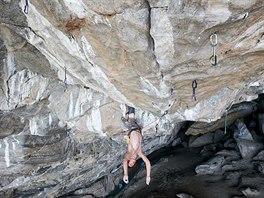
pixel 242 132
pixel 183 195
pixel 259 156
pixel 198 141
pixel 248 149
pixel 246 145
pixel 211 167
pixel 214 165
pixel 250 192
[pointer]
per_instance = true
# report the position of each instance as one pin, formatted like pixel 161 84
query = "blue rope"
pixel 26 7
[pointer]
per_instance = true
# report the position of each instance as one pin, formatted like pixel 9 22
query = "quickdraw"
pixel 26 7
pixel 213 39
pixel 213 58
pixel 194 86
pixel 246 15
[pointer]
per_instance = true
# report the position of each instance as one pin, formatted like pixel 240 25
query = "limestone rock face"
pixel 67 67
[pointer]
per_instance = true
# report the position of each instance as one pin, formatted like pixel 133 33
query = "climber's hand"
pixel 125 179
pixel 147 180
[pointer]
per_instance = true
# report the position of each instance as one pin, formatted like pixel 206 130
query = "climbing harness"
pixel 65 79
pixel 213 58
pixel 194 86
pixel 126 137
pixel 226 110
pixel 26 7
pixel 137 127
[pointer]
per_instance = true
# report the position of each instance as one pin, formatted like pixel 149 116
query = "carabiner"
pixel 194 84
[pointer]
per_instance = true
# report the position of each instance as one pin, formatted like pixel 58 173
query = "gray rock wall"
pixel 67 67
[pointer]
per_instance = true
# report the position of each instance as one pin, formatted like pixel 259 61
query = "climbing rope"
pixel 165 113
pixel 65 79
pixel 26 7
pixel 213 123
pixel 225 120
pixel 8 100
pixel 194 86
pixel 226 110
pixel 29 156
pixel 213 39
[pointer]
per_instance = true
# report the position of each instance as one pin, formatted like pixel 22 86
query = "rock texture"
pixel 67 67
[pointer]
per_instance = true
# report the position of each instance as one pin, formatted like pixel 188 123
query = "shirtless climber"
pixel 134 144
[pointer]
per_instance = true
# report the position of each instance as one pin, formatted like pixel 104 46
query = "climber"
pixel 134 144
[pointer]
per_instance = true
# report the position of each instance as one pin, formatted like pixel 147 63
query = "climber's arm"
pixel 125 167
pixel 148 166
